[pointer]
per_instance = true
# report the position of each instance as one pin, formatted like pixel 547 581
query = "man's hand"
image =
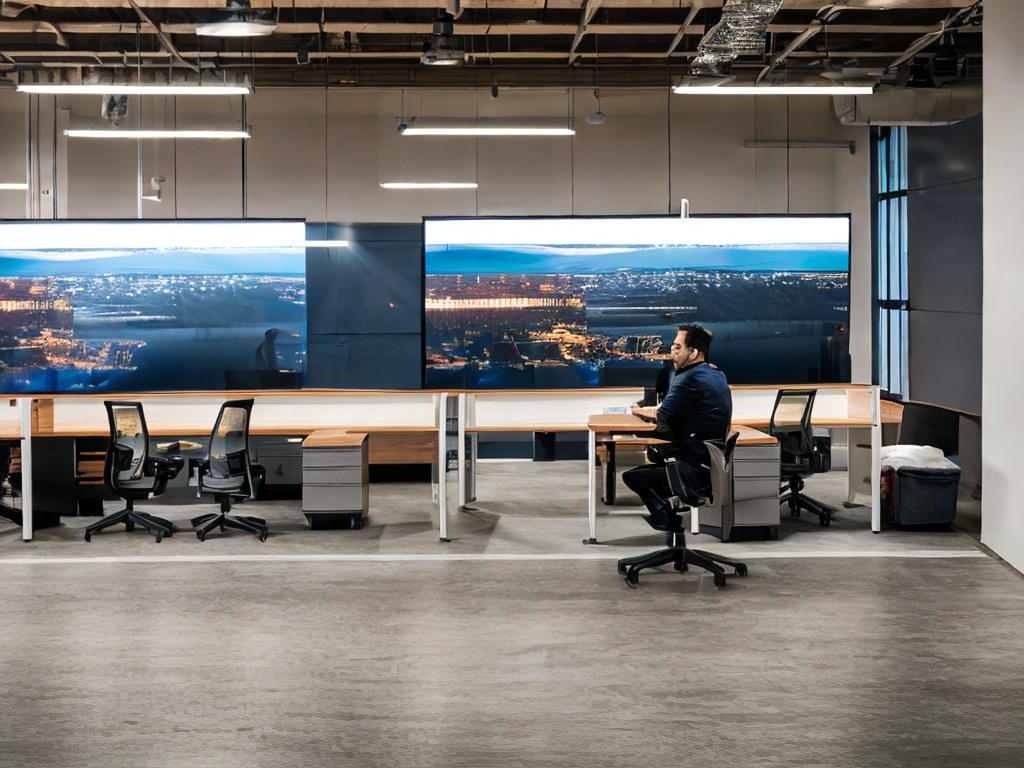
pixel 648 413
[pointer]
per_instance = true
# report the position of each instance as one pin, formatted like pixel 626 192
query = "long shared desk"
pixel 413 426
pixel 853 407
pixel 404 427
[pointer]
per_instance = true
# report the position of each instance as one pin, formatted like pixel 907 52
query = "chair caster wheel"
pixel 201 535
pixel 632 578
pixel 622 570
pixel 719 580
pixel 741 570
pixel 159 538
pixel 262 537
pixel 88 537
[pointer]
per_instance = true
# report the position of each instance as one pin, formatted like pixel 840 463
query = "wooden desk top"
pixel 627 422
pixel 333 438
pixel 191 430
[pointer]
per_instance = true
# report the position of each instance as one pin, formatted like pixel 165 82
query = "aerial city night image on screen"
pixel 584 302
pixel 146 306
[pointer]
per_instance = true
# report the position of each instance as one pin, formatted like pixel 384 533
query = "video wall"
pixel 596 301
pixel 123 306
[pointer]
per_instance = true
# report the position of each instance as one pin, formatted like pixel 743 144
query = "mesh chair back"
pixel 129 442
pixel 791 424
pixel 229 448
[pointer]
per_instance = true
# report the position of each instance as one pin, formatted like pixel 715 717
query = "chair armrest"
pixel 164 467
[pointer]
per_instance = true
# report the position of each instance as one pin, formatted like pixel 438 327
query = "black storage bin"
pixel 920 495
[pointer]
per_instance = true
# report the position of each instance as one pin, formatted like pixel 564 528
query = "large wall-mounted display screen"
pixel 137 306
pixel 596 301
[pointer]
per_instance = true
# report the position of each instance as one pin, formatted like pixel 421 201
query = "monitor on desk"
pixel 570 302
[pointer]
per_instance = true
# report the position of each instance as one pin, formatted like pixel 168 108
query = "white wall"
pixel 13 154
pixel 320 155
pixel 1002 523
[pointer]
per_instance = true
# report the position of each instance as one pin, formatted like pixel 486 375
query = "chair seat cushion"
pixel 223 483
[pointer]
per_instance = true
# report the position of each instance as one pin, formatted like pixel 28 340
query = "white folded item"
pixel 921 456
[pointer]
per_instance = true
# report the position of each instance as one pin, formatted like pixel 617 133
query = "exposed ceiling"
pixel 515 43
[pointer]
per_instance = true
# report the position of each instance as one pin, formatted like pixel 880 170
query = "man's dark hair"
pixel 697 337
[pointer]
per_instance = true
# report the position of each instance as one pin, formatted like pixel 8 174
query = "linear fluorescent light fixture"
pixel 428 185
pixel 485 126
pixel 106 133
pixel 14 185
pixel 774 90
pixel 137 89
pixel 148 83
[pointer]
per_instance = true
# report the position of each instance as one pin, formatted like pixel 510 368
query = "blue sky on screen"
pixel 582 245
pixel 167 247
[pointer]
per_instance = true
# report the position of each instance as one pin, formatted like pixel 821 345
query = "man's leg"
pixel 648 482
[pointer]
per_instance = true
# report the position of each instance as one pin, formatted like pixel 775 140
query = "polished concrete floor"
pixel 514 644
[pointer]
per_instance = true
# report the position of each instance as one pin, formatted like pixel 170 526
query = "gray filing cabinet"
pixel 335 479
pixel 755 489
pixel 282 461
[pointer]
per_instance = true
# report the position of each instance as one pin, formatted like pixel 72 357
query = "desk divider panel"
pixel 292 412
pixel 10 419
pixel 538 410
pixel 833 404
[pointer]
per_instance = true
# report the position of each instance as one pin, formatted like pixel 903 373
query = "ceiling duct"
pixel 888 105
pixel 740 32
pixel 441 48
pixel 148 81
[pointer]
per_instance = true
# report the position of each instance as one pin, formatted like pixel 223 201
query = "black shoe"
pixel 658 523
pixel 661 518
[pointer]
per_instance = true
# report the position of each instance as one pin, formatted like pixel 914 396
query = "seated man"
pixel 697 407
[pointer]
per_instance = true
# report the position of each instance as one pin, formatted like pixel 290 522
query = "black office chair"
pixel 677 552
pixel 227 473
pixel 801 455
pixel 131 472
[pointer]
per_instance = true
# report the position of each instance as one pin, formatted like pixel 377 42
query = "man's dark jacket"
pixel 697 407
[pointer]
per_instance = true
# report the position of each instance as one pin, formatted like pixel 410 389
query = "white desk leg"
pixel 442 467
pixel 876 461
pixel 592 485
pixel 461 450
pixel 25 406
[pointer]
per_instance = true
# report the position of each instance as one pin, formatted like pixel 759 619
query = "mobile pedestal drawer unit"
pixel 755 490
pixel 335 488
